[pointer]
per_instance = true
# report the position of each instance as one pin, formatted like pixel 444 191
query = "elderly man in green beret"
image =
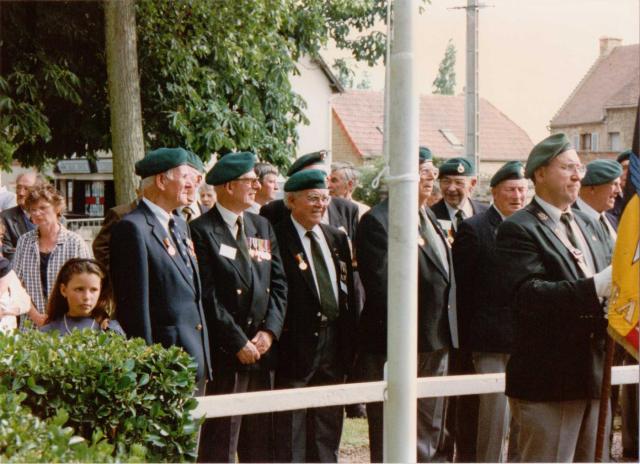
pixel 556 275
pixel 244 295
pixel 316 347
pixel 485 323
pixel 153 267
pixel 600 188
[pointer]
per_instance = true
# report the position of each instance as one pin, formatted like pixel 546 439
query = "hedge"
pixel 137 398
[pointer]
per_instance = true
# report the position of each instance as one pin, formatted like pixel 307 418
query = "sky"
pixel 532 53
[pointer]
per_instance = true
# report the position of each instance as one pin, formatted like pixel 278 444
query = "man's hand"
pixel 249 354
pixel 263 341
pixel 37 318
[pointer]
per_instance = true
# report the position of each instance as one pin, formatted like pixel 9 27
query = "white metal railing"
pixel 333 395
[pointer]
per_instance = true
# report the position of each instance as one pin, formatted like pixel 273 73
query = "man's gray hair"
pixel 286 197
pixel 262 169
pixel 350 172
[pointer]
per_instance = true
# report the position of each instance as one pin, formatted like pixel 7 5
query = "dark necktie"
pixel 459 218
pixel 325 288
pixel 176 236
pixel 565 218
pixel 241 239
pixel 188 213
pixel 605 224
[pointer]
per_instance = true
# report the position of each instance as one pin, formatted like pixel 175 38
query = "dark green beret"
pixel 601 171
pixel 425 154
pixel 510 170
pixel 230 167
pixel 161 160
pixel 195 162
pixel 624 156
pixel 317 157
pixel 545 151
pixel 456 167
pixel 305 180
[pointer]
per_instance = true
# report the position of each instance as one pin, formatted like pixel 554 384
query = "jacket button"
pixel 319 314
pixel 268 290
pixel 315 334
pixel 239 291
pixel 249 321
pixel 199 327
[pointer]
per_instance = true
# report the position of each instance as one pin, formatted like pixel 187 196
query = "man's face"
pixel 22 188
pixel 339 186
pixel 601 197
pixel 509 195
pixel 456 189
pixel 559 181
pixel 428 174
pixel 242 191
pixel 308 206
pixel 179 185
pixel 207 197
pixel 269 187
pixel 625 172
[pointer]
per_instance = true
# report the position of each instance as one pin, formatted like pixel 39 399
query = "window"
pixel 614 141
pixel 576 142
pixel 594 141
pixel 585 142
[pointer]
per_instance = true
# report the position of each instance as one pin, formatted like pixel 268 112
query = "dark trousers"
pixel 461 423
pixel 312 435
pixel 430 432
pixel 251 436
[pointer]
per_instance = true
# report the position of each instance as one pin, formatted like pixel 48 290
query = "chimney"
pixel 607 44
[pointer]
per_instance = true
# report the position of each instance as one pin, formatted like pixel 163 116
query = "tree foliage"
pixel 214 75
pixel 445 82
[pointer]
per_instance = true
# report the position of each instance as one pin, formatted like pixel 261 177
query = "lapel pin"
pixel 301 263
pixel 421 241
pixel 542 216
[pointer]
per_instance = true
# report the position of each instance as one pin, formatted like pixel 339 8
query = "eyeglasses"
pixel 248 180
pixel 572 168
pixel 322 199
pixel 429 173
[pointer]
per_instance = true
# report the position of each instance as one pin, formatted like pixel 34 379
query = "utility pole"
pixel 387 79
pixel 400 406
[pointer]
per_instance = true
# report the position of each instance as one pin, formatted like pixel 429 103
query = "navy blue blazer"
pixel 156 299
pixel 558 347
pixel 238 304
pixel 485 322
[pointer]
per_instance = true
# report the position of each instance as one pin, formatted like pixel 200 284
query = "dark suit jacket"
pixel 343 214
pixel 485 321
pixel 300 336
pixel 155 297
pixel 441 212
pixel 433 287
pixel 15 224
pixel 101 242
pixel 560 324
pixel 238 305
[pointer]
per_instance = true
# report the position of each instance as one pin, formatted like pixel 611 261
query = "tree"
pixel 445 82
pixel 124 96
pixel 212 79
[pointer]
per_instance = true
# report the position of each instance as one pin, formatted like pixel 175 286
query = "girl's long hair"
pixel 57 305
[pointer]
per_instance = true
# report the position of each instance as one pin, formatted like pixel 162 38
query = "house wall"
pixel 314 87
pixel 341 146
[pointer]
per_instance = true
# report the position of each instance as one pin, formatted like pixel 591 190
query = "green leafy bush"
pixel 26 438
pixel 124 390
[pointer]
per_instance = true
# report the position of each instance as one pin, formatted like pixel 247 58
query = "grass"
pixel 354 446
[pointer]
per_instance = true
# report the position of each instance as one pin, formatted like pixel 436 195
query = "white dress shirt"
pixel 160 214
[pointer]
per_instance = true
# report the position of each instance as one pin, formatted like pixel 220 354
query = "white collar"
pixel 228 216
pixel 465 206
pixel 163 216
pixel 552 211
pixel 302 231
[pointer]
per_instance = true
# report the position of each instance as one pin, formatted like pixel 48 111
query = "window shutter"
pixel 576 142
pixel 594 141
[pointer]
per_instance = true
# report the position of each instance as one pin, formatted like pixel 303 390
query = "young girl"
pixel 81 299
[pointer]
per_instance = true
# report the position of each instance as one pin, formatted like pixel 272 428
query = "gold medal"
pixel 169 246
pixel 301 263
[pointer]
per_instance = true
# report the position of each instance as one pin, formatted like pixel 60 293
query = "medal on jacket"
pixel 169 246
pixel 421 241
pixel 192 250
pixel 301 263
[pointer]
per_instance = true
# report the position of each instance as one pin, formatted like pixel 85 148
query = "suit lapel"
pixel 222 235
pixel 166 243
pixel 294 246
pixel 591 237
pixel 428 248
pixel 548 230
pixel 494 219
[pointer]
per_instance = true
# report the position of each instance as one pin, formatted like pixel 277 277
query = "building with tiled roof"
pixel 599 115
pixel 358 122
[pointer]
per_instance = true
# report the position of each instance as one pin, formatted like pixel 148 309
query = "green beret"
pixel 195 162
pixel 601 171
pixel 424 154
pixel 545 151
pixel 305 180
pixel 456 167
pixel 510 170
pixel 624 156
pixel 317 157
pixel 161 160
pixel 230 167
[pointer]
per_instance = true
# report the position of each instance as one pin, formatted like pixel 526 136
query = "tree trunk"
pixel 127 144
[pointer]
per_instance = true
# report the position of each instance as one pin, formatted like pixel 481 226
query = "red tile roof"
pixel 612 82
pixel 361 114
